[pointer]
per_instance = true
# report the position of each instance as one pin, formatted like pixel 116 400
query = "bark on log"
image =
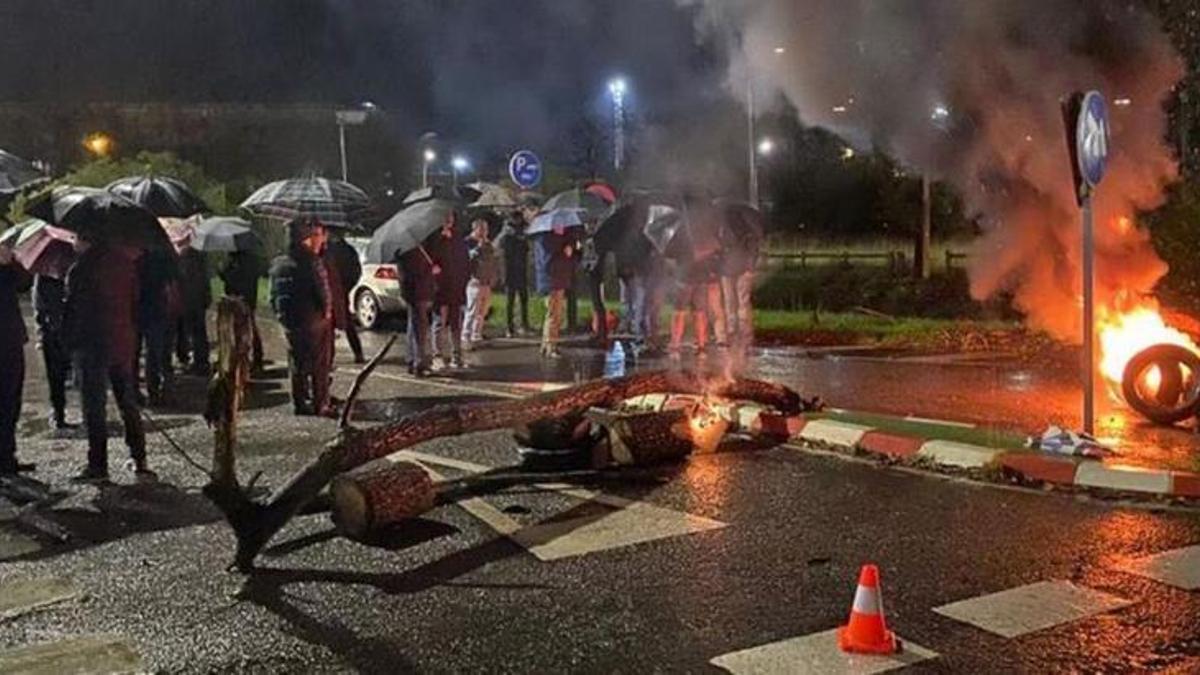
pixel 254 524
pixel 380 494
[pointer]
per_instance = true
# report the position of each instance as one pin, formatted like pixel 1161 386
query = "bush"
pixel 1175 231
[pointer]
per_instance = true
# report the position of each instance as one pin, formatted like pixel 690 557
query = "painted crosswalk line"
pixel 1031 608
pixel 26 595
pixel 1179 568
pixel 816 653
pixel 600 523
pixel 90 654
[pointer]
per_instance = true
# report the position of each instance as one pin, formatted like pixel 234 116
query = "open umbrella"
pixel 407 230
pixel 683 234
pixel 559 219
pixel 591 206
pixel 41 248
pixel 99 215
pixel 333 202
pixel 432 192
pixel 493 196
pixel 17 174
pixel 602 190
pixel 162 196
pixel 225 235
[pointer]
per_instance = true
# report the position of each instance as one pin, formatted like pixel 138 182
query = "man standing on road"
pixel 515 246
pixel 560 257
pixel 240 275
pixel 741 236
pixel 452 257
pixel 49 305
pixel 485 271
pixel 197 297
pixel 302 296
pixel 418 286
pixel 101 329
pixel 345 271
pixel 13 280
pixel 157 270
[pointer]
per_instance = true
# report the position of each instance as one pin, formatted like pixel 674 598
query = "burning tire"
pixel 1162 383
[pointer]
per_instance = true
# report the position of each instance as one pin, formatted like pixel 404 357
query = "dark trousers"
pixel 98 375
pixel 58 368
pixel 420 349
pixel 515 291
pixel 157 353
pixel 599 313
pixel 12 364
pixel 310 361
pixel 351 332
pixel 572 309
pixel 195 333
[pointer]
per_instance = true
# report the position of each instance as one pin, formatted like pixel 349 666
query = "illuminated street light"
pixel 99 144
pixel 617 88
pixel 430 158
pixel 781 50
pixel 765 147
pixel 940 113
pixel 458 164
pixel 847 153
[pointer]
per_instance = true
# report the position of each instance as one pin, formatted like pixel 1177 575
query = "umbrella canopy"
pixel 553 220
pixel 334 203
pixel 100 215
pixel 683 234
pixel 225 235
pixel 407 230
pixel 493 196
pixel 591 206
pixel 41 248
pixel 663 223
pixel 17 174
pixel 603 190
pixel 162 196
pixel 434 192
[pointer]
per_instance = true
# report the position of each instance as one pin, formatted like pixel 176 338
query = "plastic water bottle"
pixel 614 362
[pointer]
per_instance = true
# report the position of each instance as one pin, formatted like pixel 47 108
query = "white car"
pixel 377 294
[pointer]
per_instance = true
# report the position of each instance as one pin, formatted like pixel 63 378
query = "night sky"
pixel 492 73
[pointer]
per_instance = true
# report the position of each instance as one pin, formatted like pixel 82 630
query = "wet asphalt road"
pixel 786 533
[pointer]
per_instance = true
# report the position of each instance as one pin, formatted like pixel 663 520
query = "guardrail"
pixel 896 260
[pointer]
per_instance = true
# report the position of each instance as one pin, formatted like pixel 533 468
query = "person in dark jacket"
pixel 514 245
pixel 485 272
pixel 302 295
pixel 156 271
pixel 741 235
pixel 345 268
pixel 197 297
pixel 13 280
pixel 418 286
pixel 49 305
pixel 240 276
pixel 101 329
pixel 560 253
pixel 453 257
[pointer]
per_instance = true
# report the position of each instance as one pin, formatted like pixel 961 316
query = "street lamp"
pixel 458 164
pixel 99 144
pixel 765 147
pixel 617 88
pixel 430 158
pixel 752 131
pixel 352 118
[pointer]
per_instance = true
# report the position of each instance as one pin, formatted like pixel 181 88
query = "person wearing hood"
pixel 302 296
pixel 13 280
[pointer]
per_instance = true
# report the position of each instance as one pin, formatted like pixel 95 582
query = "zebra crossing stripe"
pixel 1179 568
pixel 1027 609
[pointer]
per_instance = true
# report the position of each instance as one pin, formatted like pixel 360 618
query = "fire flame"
pixel 1122 335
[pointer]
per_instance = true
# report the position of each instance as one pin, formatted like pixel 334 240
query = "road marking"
pixel 962 455
pixel 622 522
pixel 26 595
pixel 1130 479
pixel 437 383
pixel 838 434
pixel 1031 608
pixel 1179 568
pixel 15 545
pixel 91 654
pixel 816 653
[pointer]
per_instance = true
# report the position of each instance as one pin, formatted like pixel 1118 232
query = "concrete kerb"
pixel 1020 467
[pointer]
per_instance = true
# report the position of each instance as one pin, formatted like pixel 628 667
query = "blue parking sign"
pixel 525 169
pixel 1091 139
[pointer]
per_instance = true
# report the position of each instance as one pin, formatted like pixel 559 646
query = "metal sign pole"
pixel 1089 320
pixel 342 145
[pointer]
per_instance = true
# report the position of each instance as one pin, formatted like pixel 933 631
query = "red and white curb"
pixel 1042 468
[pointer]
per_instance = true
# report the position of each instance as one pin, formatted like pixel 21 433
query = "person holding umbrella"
pixel 345 270
pixel 302 295
pixel 453 259
pixel 240 275
pixel 514 245
pixel 561 249
pixel 13 280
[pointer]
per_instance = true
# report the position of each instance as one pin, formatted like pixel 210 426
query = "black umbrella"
pixel 590 205
pixel 683 234
pixel 100 215
pixel 164 197
pixel 225 235
pixel 448 194
pixel 407 230
pixel 17 174
pixel 334 203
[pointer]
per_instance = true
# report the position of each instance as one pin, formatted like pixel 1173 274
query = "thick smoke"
pixel 969 91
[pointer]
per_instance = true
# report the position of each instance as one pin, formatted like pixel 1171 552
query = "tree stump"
pixel 380 494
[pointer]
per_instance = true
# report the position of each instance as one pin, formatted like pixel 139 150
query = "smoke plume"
pixel 969 92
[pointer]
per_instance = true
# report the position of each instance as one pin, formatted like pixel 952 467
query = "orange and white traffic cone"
pixel 867 632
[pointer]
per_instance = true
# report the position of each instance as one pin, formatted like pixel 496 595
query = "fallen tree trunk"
pixel 380 494
pixel 254 524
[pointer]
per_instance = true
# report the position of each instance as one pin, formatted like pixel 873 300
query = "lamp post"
pixel 351 118
pixel 430 157
pixel 617 87
pixel 458 164
pixel 752 131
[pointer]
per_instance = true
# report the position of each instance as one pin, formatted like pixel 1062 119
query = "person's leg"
pixel 599 313
pixel 510 295
pixel 411 336
pixel 183 347
pixel 12 363
pixel 635 290
pixel 297 370
pixel 745 308
pixel 679 318
pixel 355 342
pixel 125 394
pixel 454 317
pixel 441 350
pixel 572 309
pixel 729 299
pixel 523 292
pixel 257 346
pixel 424 346
pixel 551 330
pixel 57 367
pixel 155 341
pixel 469 328
pixel 625 325
pixel 715 309
pixel 199 338
pixel 94 395
pixel 322 371
pixel 485 305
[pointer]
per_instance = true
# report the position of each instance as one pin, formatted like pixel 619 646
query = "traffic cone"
pixel 867 632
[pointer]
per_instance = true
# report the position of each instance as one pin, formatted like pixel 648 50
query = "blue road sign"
pixel 1091 138
pixel 525 169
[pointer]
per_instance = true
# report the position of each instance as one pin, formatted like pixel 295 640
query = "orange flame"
pixel 1122 335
